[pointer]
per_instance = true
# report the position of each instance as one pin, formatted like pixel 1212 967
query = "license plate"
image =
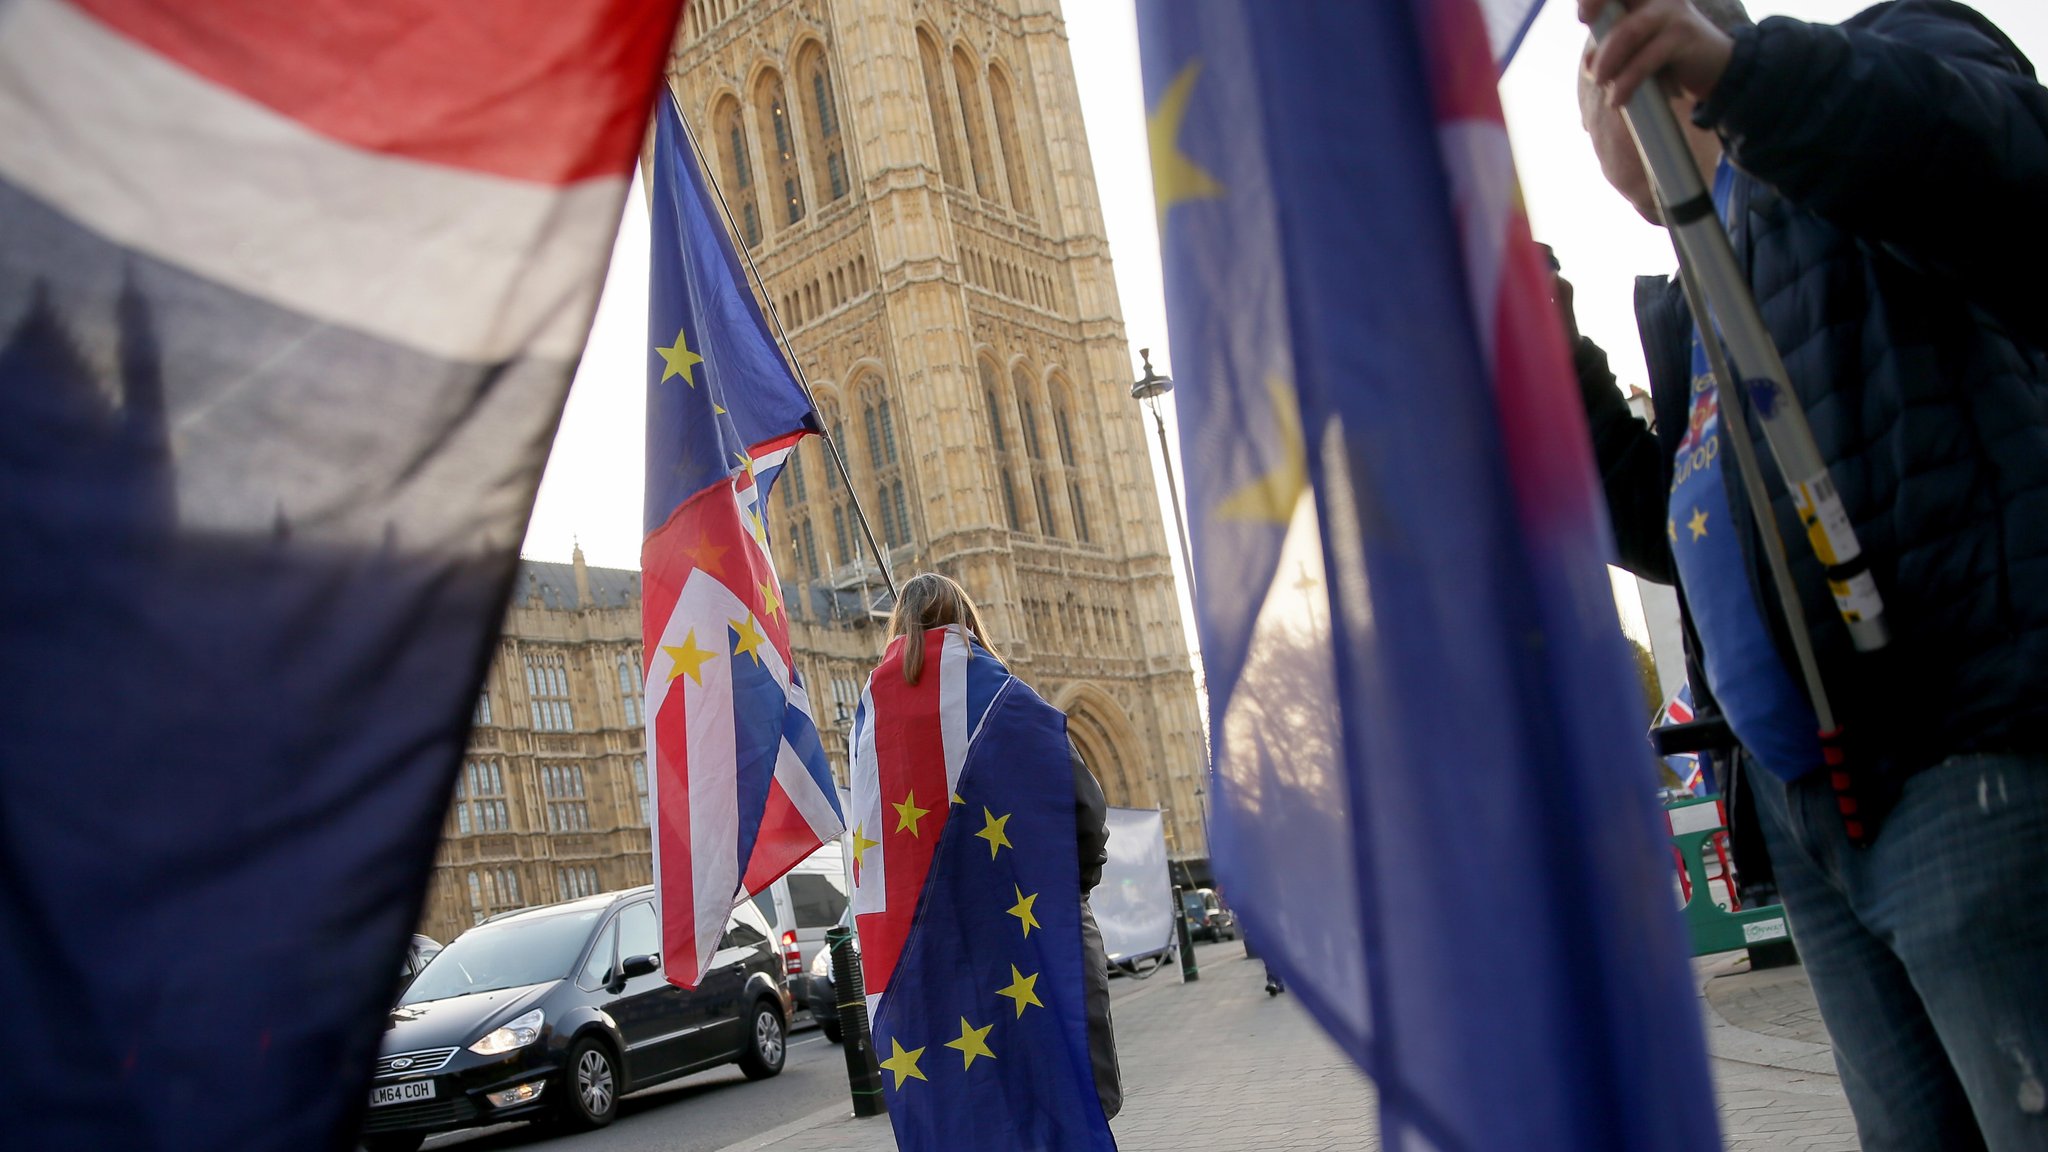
pixel 401 1093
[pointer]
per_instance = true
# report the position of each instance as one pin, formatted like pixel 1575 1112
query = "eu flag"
pixel 1429 802
pixel 967 894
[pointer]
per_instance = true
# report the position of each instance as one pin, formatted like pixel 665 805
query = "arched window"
pixel 966 76
pixel 736 168
pixel 834 493
pixel 1063 431
pixel 785 186
pixel 1034 447
pixel 629 690
pixel 1014 163
pixel 828 146
pixel 992 395
pixel 939 108
pixel 878 423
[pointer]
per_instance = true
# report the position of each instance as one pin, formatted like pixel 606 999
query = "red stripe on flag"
pixel 784 840
pixel 910 754
pixel 550 91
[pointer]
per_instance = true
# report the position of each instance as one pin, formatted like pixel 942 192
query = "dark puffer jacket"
pixel 1889 210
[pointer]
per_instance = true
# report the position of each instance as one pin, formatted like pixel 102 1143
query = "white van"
pixel 803 904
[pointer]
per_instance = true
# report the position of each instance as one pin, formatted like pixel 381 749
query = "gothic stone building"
pixel 552 799
pixel 913 180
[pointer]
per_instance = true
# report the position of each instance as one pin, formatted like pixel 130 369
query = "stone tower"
pixel 912 178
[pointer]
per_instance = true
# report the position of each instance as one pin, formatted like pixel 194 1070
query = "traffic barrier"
pixel 1696 825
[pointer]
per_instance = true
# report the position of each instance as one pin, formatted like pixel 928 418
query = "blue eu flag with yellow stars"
pixel 1429 803
pixel 967 893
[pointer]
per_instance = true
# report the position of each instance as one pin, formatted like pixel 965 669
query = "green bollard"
pixel 863 1078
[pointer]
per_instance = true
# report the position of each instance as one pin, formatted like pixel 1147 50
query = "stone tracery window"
pixel 1034 448
pixel 966 77
pixel 992 395
pixel 827 144
pixel 785 186
pixel 736 173
pixel 939 107
pixel 1014 163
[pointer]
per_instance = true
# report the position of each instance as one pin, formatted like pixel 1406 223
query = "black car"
pixel 1208 919
pixel 817 986
pixel 553 1013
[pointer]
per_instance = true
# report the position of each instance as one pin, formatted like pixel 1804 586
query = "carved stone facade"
pixel 551 802
pixel 912 178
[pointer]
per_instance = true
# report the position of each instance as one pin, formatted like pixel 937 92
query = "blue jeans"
pixel 1928 951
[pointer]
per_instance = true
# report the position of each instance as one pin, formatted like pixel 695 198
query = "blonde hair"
pixel 929 600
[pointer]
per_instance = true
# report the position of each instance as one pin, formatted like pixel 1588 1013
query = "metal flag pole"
pixel 860 514
pixel 1721 304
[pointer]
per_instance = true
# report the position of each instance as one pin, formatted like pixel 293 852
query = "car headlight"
pixel 517 1032
pixel 821 964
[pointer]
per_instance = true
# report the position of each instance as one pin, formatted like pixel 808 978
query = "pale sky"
pixel 591 491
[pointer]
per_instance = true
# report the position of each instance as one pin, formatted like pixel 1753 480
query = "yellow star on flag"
pixel 1175 178
pixel 1022 910
pixel 746 462
pixel 772 603
pixel 903 1064
pixel 993 832
pixel 1671 529
pixel 908 813
pixel 861 844
pixel 748 639
pixel 957 799
pixel 680 360
pixel 1698 523
pixel 1023 989
pixel 972 1042
pixel 687 659
pixel 1271 497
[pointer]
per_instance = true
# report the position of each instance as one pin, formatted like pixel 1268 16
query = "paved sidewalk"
pixel 1217 1066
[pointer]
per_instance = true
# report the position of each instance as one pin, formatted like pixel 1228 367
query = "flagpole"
pixel 860 514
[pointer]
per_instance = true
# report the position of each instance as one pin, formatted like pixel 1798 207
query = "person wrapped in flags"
pixel 977 834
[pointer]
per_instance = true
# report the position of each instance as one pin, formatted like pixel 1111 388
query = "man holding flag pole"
pixel 1880 182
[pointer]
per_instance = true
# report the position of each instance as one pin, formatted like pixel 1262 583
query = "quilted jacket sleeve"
pixel 1916 125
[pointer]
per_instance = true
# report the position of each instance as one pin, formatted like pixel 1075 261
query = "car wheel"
pixel 394 1142
pixel 591 1087
pixel 830 1027
pixel 767 1043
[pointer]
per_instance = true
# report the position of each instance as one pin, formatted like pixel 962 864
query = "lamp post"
pixel 1147 389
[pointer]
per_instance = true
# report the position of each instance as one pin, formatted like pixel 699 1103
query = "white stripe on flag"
pixel 453 263
pixel 797 782
pixel 871 891
pixel 953 658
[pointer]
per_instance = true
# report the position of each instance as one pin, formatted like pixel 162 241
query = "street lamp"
pixel 1148 389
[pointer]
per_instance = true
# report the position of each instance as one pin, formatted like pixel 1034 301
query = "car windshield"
pixel 526 950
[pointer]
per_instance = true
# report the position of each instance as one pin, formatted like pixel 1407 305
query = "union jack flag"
pixel 741 787
pixel 1688 766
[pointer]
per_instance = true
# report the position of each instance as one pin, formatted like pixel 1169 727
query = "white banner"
pixel 1134 903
